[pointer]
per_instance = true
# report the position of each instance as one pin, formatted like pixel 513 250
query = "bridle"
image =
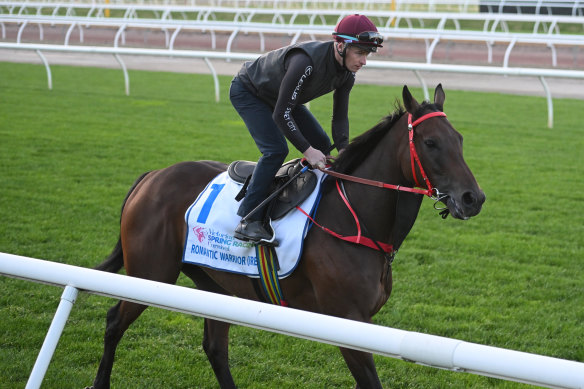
pixel 430 191
pixel 414 153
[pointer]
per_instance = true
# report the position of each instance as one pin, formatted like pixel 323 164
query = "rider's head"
pixel 357 30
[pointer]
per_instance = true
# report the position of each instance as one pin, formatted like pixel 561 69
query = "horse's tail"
pixel 114 262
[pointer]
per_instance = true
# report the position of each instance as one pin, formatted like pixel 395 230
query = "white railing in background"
pixel 280 15
pixel 541 74
pixel 172 19
pixel 430 350
pixel 292 22
pixel 546 7
pixel 568 7
pixel 426 5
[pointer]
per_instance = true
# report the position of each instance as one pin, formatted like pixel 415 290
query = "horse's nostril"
pixel 468 198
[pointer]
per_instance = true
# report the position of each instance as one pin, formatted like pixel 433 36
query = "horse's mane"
pixel 362 145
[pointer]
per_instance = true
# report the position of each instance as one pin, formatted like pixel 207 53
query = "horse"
pixel 334 277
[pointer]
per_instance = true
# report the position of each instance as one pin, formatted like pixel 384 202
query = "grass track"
pixel 512 277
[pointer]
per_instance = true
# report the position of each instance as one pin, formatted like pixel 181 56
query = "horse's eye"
pixel 430 143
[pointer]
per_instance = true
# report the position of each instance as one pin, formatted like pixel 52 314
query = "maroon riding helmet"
pixel 359 31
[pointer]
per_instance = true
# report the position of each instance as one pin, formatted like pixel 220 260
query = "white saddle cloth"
pixel 212 219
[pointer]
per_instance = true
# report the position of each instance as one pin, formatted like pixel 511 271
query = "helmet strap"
pixel 343 54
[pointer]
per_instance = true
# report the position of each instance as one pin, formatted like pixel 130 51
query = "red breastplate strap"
pixel 358 239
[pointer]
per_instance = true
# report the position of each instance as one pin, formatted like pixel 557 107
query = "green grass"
pixel 511 277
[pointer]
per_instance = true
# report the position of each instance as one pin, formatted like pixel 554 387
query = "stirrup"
pixel 273 242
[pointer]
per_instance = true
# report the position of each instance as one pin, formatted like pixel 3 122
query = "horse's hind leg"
pixel 119 318
pixel 216 345
pixel 362 368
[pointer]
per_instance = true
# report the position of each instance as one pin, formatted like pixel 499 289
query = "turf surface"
pixel 511 277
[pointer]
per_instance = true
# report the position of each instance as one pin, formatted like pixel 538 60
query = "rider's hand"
pixel 315 158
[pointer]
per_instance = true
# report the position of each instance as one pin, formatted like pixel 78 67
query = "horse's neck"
pixel 383 161
pixel 388 214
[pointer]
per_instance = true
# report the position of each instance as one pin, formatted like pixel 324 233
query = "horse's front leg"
pixel 216 346
pixel 119 319
pixel 362 368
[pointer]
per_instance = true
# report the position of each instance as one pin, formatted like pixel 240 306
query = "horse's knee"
pixel 215 340
pixel 119 318
pixel 209 345
pixel 112 313
pixel 216 344
pixel 112 326
pixel 362 367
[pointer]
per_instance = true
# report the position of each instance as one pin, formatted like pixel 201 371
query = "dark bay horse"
pixel 334 277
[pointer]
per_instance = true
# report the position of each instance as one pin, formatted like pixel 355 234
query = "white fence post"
pixel 53 335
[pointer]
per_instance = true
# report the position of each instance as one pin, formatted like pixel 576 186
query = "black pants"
pixel 257 116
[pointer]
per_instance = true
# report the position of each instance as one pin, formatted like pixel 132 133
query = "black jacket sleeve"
pixel 299 67
pixel 340 119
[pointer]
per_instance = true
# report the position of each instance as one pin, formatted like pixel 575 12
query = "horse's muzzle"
pixel 467 205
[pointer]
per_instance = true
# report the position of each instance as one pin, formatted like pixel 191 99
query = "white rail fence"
pixel 417 68
pixel 424 5
pixel 444 27
pixel 424 349
pixel 568 7
pixel 283 15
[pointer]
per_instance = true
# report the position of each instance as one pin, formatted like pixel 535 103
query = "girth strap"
pixel 268 271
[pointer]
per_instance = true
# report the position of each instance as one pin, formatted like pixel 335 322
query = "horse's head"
pixel 439 147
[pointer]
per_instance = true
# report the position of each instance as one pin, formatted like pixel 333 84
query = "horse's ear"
pixel 439 97
pixel 409 102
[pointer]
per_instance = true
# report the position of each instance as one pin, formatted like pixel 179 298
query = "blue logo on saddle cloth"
pixel 212 219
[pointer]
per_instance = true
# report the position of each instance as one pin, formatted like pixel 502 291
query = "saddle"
pixel 292 195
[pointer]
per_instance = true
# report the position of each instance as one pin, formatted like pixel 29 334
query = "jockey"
pixel 269 94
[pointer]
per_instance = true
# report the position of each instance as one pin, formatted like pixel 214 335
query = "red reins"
pixel 415 160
